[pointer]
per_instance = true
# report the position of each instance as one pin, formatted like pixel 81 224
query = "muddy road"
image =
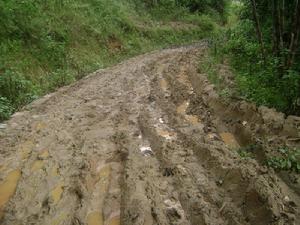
pixel 142 143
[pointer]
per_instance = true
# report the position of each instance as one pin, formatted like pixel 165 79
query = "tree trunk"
pixel 294 36
pixel 258 29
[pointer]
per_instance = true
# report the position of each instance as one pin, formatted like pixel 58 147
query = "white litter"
pixel 146 150
pixel 161 120
pixel 3 125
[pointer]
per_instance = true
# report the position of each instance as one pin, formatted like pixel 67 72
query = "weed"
pixel 247 151
pixel 288 159
pixel 5 108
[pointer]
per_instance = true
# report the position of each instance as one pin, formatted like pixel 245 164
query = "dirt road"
pixel 141 143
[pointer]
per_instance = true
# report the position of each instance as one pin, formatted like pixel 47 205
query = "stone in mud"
pixel 248 109
pixel 3 125
pixel 291 126
pixel 272 118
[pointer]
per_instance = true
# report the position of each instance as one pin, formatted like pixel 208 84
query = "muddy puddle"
pixel 181 109
pixel 8 188
pixel 230 140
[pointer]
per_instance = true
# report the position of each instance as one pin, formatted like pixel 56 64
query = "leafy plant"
pixel 6 109
pixel 16 89
pixel 289 159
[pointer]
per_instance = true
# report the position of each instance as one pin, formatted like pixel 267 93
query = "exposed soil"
pixel 145 142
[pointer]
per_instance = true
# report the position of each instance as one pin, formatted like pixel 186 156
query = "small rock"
pixel 244 123
pixel 3 125
pixel 219 182
pixel 271 117
pixel 286 199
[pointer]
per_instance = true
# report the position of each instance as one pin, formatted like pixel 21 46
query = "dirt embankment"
pixel 145 142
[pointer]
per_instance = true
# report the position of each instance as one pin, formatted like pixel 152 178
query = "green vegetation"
pixel 48 44
pixel 262 44
pixel 288 159
pixel 248 151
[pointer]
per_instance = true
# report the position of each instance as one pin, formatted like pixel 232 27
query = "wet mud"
pixel 145 142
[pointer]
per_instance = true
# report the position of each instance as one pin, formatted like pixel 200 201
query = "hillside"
pixel 46 45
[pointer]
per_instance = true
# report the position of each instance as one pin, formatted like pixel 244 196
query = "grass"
pixel 46 45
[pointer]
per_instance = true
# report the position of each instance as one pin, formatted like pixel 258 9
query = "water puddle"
pixel 59 220
pixel 37 165
pixel 44 154
pixel 8 187
pixel 40 126
pixel 54 172
pixel 163 84
pixel 181 109
pixel 229 140
pixel 25 149
pixel 95 218
pixel 103 177
pixel 56 193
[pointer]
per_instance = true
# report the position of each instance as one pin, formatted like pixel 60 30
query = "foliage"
pixel 264 79
pixel 5 108
pixel 248 150
pixel 16 89
pixel 289 159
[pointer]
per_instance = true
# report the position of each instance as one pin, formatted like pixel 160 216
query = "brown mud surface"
pixel 146 142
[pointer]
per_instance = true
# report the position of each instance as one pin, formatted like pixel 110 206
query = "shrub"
pixel 16 89
pixel 6 109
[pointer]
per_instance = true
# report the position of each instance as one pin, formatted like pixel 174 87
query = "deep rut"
pixel 135 144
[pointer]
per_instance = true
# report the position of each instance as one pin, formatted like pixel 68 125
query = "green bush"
pixel 265 80
pixel 16 89
pixel 6 109
pixel 58 79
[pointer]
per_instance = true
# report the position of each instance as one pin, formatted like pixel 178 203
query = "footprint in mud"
pixel 229 140
pixel 163 84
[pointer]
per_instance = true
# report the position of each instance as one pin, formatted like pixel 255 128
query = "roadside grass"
pixel 46 45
